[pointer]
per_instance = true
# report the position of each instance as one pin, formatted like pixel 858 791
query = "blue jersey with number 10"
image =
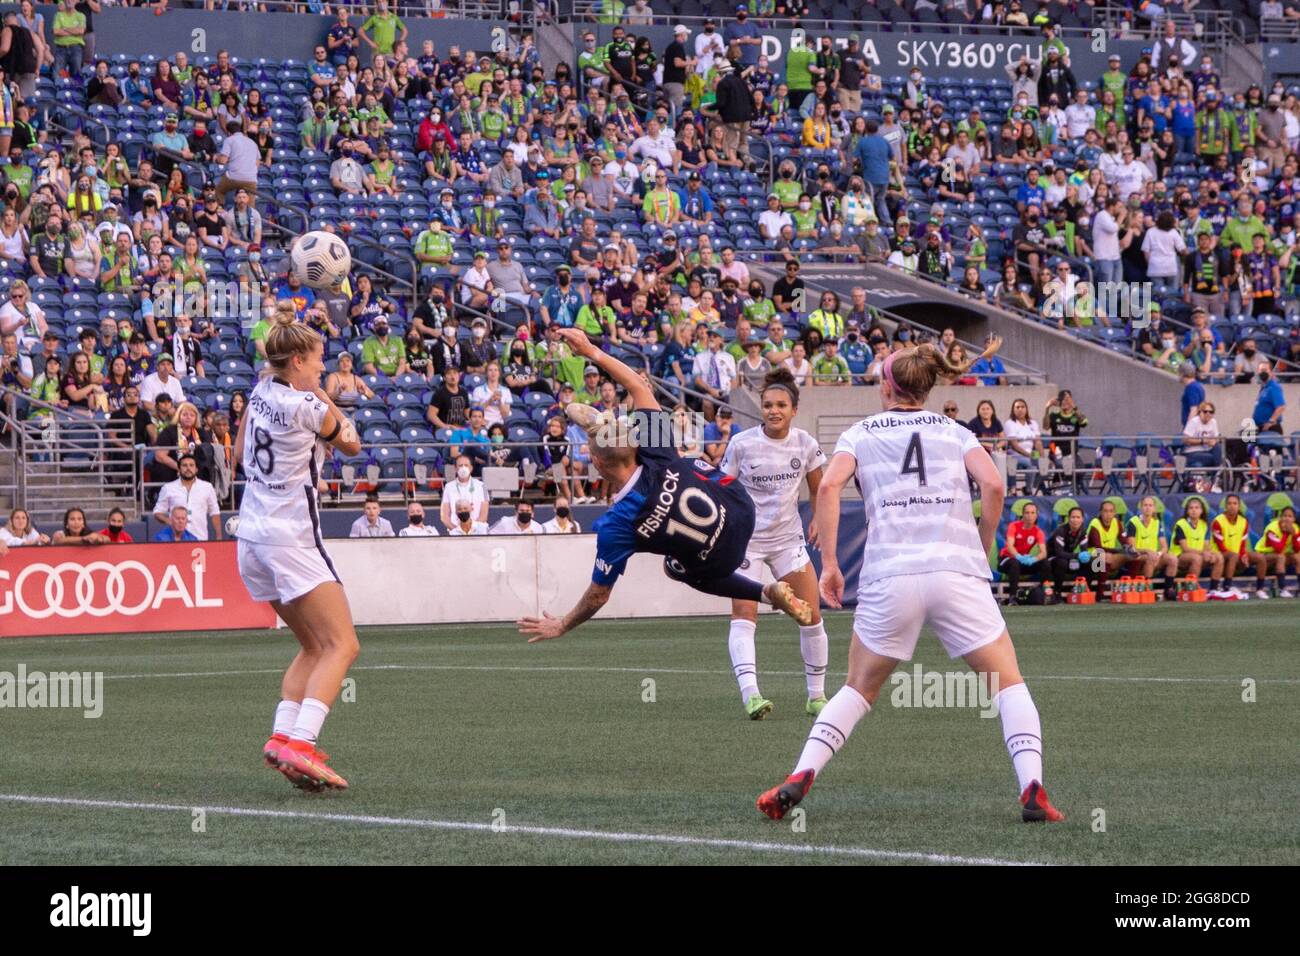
pixel 679 507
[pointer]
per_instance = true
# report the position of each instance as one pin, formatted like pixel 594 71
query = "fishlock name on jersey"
pixel 667 495
pixel 916 500
pixel 262 408
pixel 891 422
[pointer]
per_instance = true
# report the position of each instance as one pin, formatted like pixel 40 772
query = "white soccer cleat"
pixel 1262 594
pixel 1286 593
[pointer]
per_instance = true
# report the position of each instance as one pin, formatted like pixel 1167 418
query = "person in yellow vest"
pixel 1146 531
pixel 1279 546
pixel 1192 547
pixel 1230 532
pixel 1106 538
pixel 827 318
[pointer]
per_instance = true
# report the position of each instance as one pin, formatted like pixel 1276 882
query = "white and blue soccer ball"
pixel 232 526
pixel 320 260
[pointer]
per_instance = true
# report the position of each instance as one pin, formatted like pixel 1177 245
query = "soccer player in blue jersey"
pixel 698 518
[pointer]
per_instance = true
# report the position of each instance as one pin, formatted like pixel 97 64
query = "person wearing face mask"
pixel 465 495
pixel 563 522
pixel 415 523
pixel 382 353
pixel 1270 403
pixel 465 524
pixel 521 522
pixel 520 375
pixel 115 531
pixel 1271 141
pixel 430 315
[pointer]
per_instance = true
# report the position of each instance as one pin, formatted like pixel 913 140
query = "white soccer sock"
pixel 310 718
pixel 834 724
pixel 740 644
pixel 286 715
pixel 815 649
pixel 1022 732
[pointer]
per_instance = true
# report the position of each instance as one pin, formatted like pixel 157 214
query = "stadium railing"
pixel 1124 465
pixel 66 459
pixel 1018 372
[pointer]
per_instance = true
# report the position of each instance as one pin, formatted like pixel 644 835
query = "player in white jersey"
pixel 282 557
pixel 925 562
pixel 772 461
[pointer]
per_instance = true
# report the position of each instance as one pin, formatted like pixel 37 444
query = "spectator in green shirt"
pixel 829 367
pixel 1243 227
pixel 433 246
pixel 69 38
pixel 381 353
pixel 597 318
pixel 383 29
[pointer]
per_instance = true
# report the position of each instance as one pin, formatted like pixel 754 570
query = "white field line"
pixel 581 669
pixel 563 833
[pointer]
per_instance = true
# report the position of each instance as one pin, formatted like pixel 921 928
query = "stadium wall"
pixel 135 31
pixel 497 578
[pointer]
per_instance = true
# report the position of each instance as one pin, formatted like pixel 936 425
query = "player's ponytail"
pixel 782 378
pixel 288 338
pixel 913 372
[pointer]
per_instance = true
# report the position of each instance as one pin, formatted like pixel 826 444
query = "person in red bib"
pixel 1024 552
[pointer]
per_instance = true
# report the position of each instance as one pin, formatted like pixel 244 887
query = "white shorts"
pixel 274 572
pixel 959 607
pixel 781 559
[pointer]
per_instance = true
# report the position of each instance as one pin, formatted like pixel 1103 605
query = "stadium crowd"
pixel 149 205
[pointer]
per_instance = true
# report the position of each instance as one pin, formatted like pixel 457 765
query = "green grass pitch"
pixel 466 745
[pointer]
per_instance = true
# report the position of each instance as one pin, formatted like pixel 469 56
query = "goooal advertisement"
pixel 116 589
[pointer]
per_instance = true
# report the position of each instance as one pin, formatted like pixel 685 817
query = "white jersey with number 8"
pixel 911 471
pixel 281 466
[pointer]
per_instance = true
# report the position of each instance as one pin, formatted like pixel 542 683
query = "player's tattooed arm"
pixel 546 627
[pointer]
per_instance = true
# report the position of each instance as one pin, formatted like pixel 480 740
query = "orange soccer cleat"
pixel 271 754
pixel 1036 807
pixel 779 801
pixel 297 758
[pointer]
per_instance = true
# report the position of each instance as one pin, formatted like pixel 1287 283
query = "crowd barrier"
pixel 497 579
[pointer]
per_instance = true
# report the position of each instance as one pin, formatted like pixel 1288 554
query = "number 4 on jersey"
pixel 914 459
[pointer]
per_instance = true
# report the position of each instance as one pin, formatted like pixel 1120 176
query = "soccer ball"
pixel 320 259
pixel 232 526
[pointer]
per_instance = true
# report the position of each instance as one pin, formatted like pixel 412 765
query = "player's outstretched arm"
pixel 547 628
pixel 636 387
pixel 826 525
